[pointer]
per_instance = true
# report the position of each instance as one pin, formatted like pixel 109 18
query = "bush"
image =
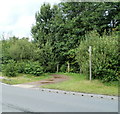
pixel 63 68
pixel 21 67
pixel 29 67
pixel 1 67
pixel 104 56
pixel 109 75
pixel 10 69
pixel 37 69
pixel 33 68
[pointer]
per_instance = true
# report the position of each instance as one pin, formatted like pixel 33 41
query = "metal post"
pixel 90 63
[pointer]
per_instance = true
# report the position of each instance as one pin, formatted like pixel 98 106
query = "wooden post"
pixel 90 63
pixel 57 68
pixel 68 67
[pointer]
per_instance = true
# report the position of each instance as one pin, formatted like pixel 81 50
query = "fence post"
pixel 90 63
pixel 57 68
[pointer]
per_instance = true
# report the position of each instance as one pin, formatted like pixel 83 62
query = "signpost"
pixel 90 63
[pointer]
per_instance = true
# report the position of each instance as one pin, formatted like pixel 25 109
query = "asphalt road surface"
pixel 15 99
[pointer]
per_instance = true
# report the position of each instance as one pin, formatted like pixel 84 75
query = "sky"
pixel 18 16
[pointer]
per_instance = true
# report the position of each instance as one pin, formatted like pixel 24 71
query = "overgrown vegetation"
pixel 105 56
pixel 10 69
pixel 78 83
pixel 61 37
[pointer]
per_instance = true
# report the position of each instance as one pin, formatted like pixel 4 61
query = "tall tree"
pixel 41 29
pixel 65 25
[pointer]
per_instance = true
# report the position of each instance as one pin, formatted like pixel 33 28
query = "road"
pixel 15 99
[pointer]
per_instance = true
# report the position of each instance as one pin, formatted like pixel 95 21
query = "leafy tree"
pixel 5 46
pixel 21 49
pixel 101 16
pixel 65 25
pixel 46 58
pixel 48 31
pixel 41 29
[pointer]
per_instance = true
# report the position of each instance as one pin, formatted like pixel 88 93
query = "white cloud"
pixel 17 16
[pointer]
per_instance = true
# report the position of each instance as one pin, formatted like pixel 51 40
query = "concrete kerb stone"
pixel 80 94
pixel 67 92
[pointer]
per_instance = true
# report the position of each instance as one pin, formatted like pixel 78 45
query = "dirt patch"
pixel 56 78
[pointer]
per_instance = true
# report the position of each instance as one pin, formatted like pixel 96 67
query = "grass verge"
pixel 78 83
pixel 24 78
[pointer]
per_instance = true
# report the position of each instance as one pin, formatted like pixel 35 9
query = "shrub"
pixel 10 69
pixel 1 67
pixel 63 68
pixel 29 67
pixel 104 56
pixel 33 68
pixel 21 66
pixel 37 69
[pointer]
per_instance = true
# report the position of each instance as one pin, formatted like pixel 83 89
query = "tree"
pixel 88 16
pixel 40 31
pixel 65 25
pixel 46 58
pixel 21 49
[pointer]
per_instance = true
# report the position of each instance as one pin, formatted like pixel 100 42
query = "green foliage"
pixel 0 67
pixel 46 58
pixel 17 49
pixel 29 67
pixel 33 68
pixel 10 69
pixel 87 16
pixel 21 49
pixel 104 56
pixel 58 32
pixel 5 46
pixel 64 26
pixel 63 68
pixel 21 66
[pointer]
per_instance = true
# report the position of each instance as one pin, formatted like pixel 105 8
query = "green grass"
pixel 76 82
pixel 24 78
pixel 79 83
